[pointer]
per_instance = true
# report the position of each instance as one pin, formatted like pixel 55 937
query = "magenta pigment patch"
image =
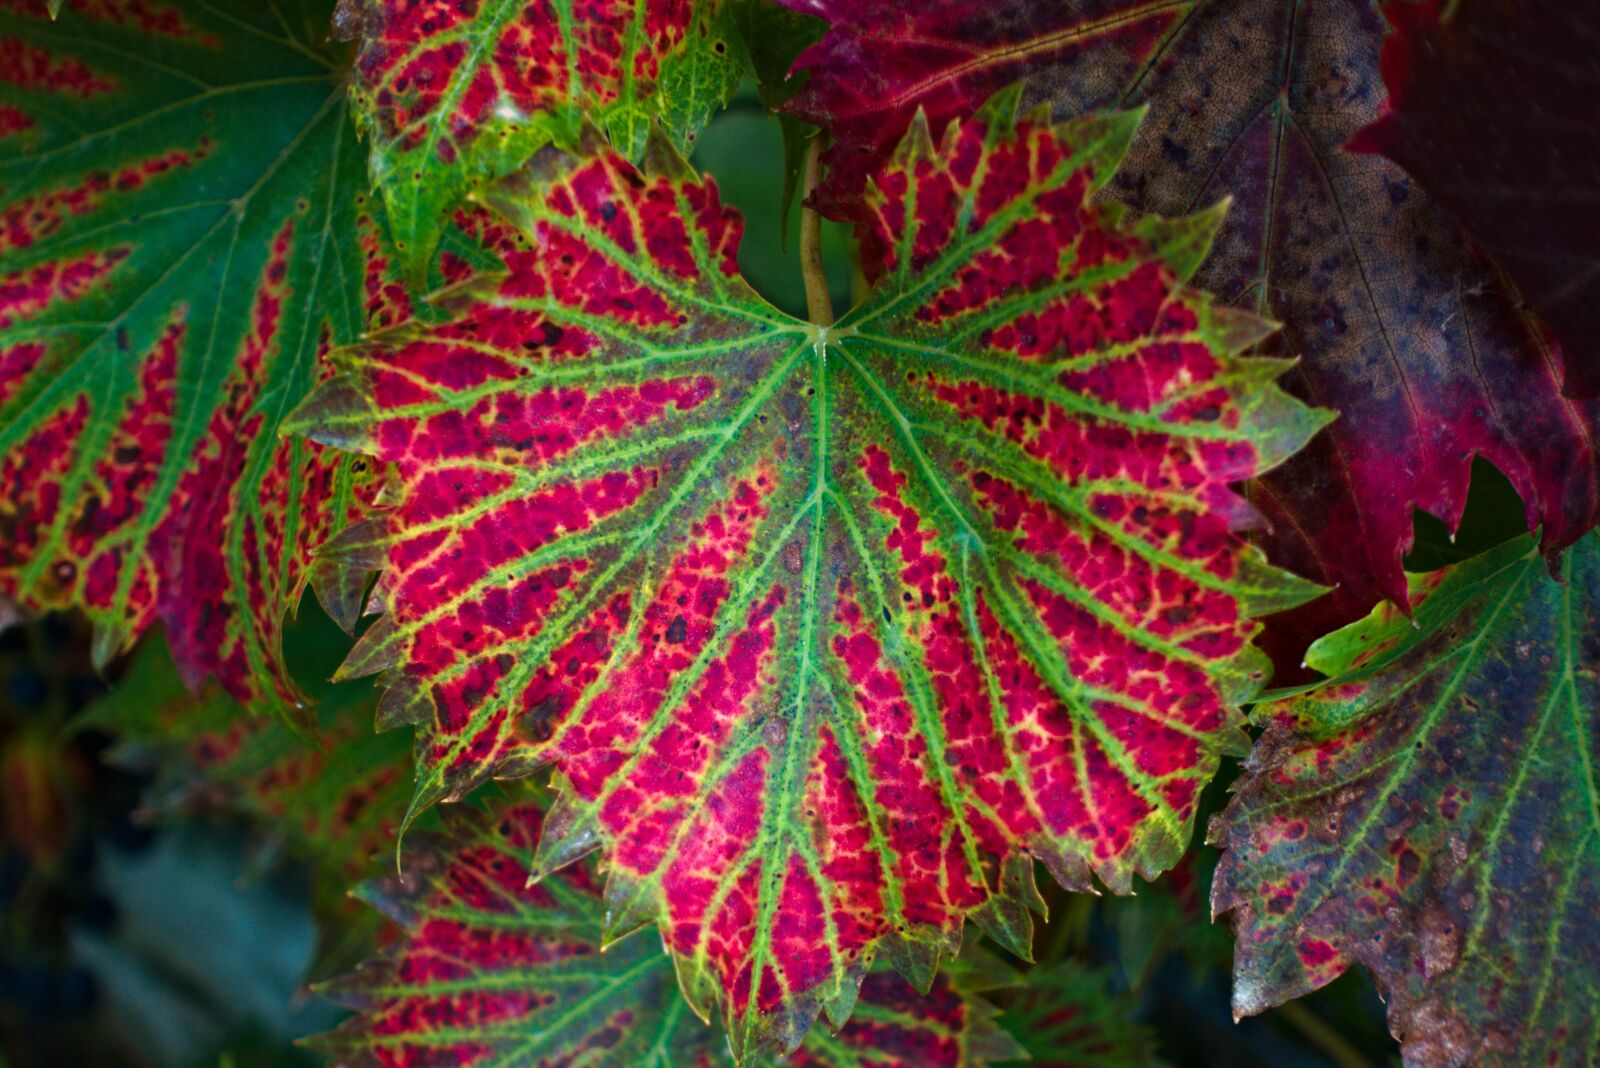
pixel 1400 324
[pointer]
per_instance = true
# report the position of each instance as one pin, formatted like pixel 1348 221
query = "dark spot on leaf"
pixel 536 722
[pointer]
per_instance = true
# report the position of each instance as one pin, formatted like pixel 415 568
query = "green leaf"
pixel 950 1024
pixel 492 970
pixel 180 192
pixel 767 40
pixel 829 631
pixel 454 95
pixel 1067 1017
pixel 1430 812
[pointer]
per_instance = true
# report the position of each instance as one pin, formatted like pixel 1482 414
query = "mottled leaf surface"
pixel 1068 1016
pixel 894 1026
pixel 1492 110
pixel 1397 326
pixel 829 632
pixel 490 970
pixel 453 95
pixel 178 239
pixel 1431 813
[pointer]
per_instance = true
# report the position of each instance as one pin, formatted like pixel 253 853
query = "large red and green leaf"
pixel 1398 327
pixel 454 95
pixel 1492 110
pixel 178 232
pixel 1431 813
pixel 830 632
pixel 492 970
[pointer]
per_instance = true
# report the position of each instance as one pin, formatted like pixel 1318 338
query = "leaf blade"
pixel 1067 1015
pixel 490 970
pixel 1542 132
pixel 172 273
pixel 1396 785
pixel 780 602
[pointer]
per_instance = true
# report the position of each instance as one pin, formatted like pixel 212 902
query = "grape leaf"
pixel 1398 326
pixel 1431 813
pixel 829 630
pixel 1067 1017
pixel 454 95
pixel 179 193
pixel 1491 109
pixel 491 970
pixel 331 800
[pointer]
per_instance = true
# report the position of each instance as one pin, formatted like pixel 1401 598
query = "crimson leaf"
pixel 179 194
pixel 1492 111
pixel 830 631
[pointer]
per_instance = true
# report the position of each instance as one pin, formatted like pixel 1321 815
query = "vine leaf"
pixel 453 96
pixel 1491 110
pixel 491 970
pixel 179 193
pixel 1399 327
pixel 829 631
pixel 331 801
pixel 1430 812
pixel 1067 1017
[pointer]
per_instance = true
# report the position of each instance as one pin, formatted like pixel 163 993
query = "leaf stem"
pixel 819 305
